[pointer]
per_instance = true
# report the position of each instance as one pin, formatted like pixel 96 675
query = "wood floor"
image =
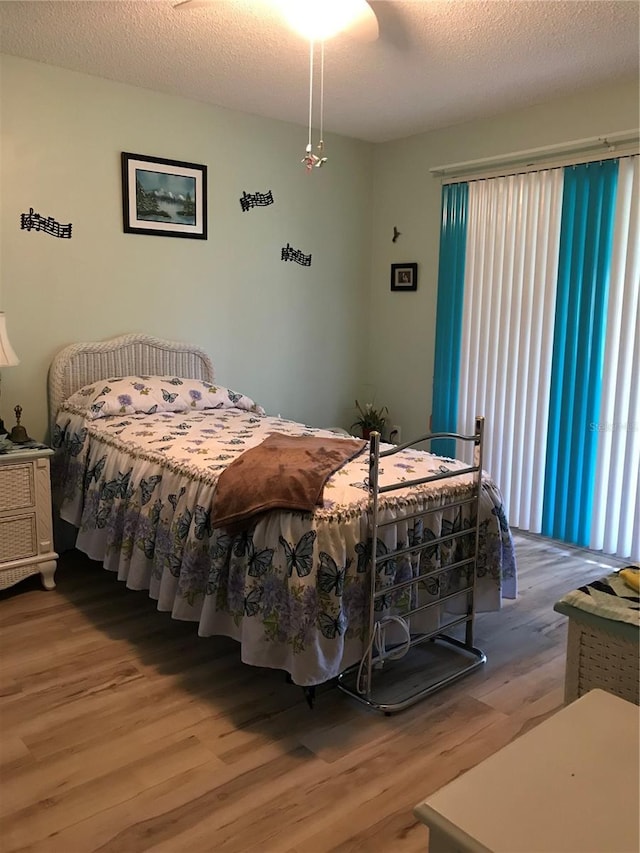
pixel 121 730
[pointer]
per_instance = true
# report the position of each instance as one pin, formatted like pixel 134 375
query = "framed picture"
pixel 404 276
pixel 167 198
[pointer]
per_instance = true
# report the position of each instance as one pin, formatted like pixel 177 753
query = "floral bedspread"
pixel 293 588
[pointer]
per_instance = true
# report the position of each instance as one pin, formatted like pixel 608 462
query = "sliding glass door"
pixel 538 330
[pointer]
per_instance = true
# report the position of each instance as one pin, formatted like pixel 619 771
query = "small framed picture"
pixel 166 198
pixel 404 276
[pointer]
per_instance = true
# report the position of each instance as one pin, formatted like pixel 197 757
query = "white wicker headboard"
pixel 128 355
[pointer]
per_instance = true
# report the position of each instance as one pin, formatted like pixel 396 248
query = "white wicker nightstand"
pixel 26 531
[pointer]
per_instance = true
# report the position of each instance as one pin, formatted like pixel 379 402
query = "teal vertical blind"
pixel 562 294
pixel 453 236
pixel 588 208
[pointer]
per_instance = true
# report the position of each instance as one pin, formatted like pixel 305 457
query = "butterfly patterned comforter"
pixel 293 588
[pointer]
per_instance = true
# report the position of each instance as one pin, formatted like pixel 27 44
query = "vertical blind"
pixel 544 344
pixel 453 229
pixel 615 525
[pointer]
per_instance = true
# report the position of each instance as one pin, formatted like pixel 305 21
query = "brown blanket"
pixel 283 472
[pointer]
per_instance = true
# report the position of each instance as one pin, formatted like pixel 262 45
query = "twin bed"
pixel 143 434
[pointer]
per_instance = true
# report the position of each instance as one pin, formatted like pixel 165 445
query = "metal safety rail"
pixel 388 678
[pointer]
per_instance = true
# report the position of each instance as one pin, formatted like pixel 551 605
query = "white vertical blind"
pixel 512 248
pixel 513 238
pixel 616 519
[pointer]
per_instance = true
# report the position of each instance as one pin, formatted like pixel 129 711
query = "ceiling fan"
pixel 356 18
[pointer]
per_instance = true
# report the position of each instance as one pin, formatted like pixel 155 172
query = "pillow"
pixel 127 395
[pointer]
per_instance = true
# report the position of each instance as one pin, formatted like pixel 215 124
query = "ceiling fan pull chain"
pixel 321 160
pixel 310 158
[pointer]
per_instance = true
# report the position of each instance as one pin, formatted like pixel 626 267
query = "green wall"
pixel 292 337
pixel 302 341
pixel 401 340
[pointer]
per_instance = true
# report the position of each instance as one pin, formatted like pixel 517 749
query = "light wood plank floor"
pixel 121 730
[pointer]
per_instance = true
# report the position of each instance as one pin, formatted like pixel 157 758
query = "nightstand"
pixel 26 530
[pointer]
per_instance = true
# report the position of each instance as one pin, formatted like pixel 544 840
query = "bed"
pixel 138 479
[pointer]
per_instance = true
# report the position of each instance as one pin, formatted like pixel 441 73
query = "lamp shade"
pixel 8 358
pixel 326 19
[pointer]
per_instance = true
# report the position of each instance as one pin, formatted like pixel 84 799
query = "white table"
pixel 571 785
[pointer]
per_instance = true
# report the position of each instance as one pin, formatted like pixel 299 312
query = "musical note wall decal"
pixel 250 200
pixel 291 254
pixel 34 222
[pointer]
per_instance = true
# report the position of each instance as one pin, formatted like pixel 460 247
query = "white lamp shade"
pixel 8 358
pixel 327 18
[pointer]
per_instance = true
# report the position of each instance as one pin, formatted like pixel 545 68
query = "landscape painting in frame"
pixel 166 198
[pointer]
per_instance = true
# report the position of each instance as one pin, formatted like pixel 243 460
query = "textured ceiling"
pixel 435 63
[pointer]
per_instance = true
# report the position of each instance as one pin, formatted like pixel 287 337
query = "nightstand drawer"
pixel 18 538
pixel 16 487
pixel 26 534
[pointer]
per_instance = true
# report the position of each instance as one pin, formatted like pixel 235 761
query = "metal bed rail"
pixel 378 680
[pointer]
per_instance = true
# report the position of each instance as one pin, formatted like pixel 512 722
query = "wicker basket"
pixel 598 658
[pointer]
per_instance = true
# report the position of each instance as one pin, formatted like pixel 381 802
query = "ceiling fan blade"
pixel 393 29
pixel 365 28
pixel 187 5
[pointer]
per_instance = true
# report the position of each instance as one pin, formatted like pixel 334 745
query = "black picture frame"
pixel 163 198
pixel 404 276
